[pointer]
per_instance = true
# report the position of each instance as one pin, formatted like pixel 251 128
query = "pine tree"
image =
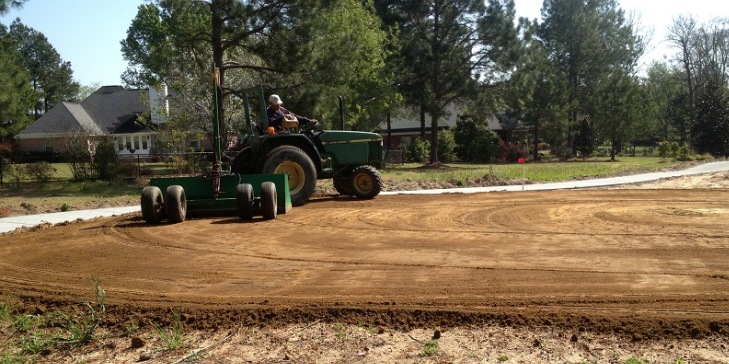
pixel 710 131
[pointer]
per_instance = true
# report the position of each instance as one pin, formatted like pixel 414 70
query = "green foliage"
pixel 585 139
pixel 710 131
pixel 35 344
pixel 341 51
pixel 106 161
pixel 634 360
pixel 172 338
pixel 430 348
pixel 475 142
pixel 10 358
pixel 417 150
pixel 446 146
pixel 510 152
pixel 52 77
pixel 16 172
pixel 40 171
pixel 16 93
pixel 79 159
pixel 684 153
pixel 589 76
pixel 503 357
pixel 81 328
pixel 449 49
pixel 24 323
pixel 5 5
pixel 664 149
pixel 6 311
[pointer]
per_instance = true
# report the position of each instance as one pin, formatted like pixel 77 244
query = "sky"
pixel 88 32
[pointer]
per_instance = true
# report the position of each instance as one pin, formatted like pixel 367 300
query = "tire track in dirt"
pixel 644 258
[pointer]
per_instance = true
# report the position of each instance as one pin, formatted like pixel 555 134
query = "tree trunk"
pixel 434 136
pixel 536 139
pixel 422 122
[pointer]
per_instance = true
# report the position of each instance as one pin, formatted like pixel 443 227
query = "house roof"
pixel 64 118
pixel 109 110
pixel 113 106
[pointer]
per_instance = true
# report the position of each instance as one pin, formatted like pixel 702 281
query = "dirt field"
pixel 562 276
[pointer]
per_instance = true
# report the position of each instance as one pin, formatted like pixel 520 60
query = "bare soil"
pixel 596 276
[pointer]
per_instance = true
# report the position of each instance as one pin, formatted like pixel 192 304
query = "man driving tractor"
pixel 277 113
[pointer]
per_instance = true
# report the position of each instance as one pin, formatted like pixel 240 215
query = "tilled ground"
pixel 565 276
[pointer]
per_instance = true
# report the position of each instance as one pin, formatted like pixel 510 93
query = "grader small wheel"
pixel 176 205
pixel 152 205
pixel 244 201
pixel 269 200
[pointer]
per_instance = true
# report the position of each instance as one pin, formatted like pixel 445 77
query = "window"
pixel 49 146
pixel 136 142
pixel 120 142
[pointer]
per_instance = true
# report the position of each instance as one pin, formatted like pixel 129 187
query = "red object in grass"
pixel 521 160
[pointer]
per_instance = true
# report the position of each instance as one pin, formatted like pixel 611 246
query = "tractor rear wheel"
pixel 366 182
pixel 269 200
pixel 176 205
pixel 343 185
pixel 152 205
pixel 244 201
pixel 298 166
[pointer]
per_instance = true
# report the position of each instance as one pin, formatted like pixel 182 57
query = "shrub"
pixel 664 149
pixel 510 152
pixel 178 164
pixel 446 146
pixel 40 171
pixel 106 161
pixel 129 169
pixel 417 150
pixel 79 161
pixel 16 172
pixel 475 142
pixel 684 153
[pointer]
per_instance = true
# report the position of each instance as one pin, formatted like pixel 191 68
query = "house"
pixel 405 126
pixel 110 111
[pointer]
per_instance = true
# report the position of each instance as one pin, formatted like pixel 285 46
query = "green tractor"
pixel 349 158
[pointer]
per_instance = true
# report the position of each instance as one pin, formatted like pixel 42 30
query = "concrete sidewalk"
pixel 14 222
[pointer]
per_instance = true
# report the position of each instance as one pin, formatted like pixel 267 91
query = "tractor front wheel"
pixel 176 205
pixel 298 166
pixel 244 201
pixel 366 182
pixel 343 185
pixel 269 200
pixel 152 205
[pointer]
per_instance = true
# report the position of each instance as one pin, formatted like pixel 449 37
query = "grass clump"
pixel 430 348
pixel 634 360
pixel 172 338
pixel 503 358
pixel 81 328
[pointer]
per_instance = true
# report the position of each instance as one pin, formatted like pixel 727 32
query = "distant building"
pixel 405 125
pixel 110 111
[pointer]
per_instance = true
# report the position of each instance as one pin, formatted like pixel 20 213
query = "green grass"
pixel 535 171
pixel 430 348
pixel 173 337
